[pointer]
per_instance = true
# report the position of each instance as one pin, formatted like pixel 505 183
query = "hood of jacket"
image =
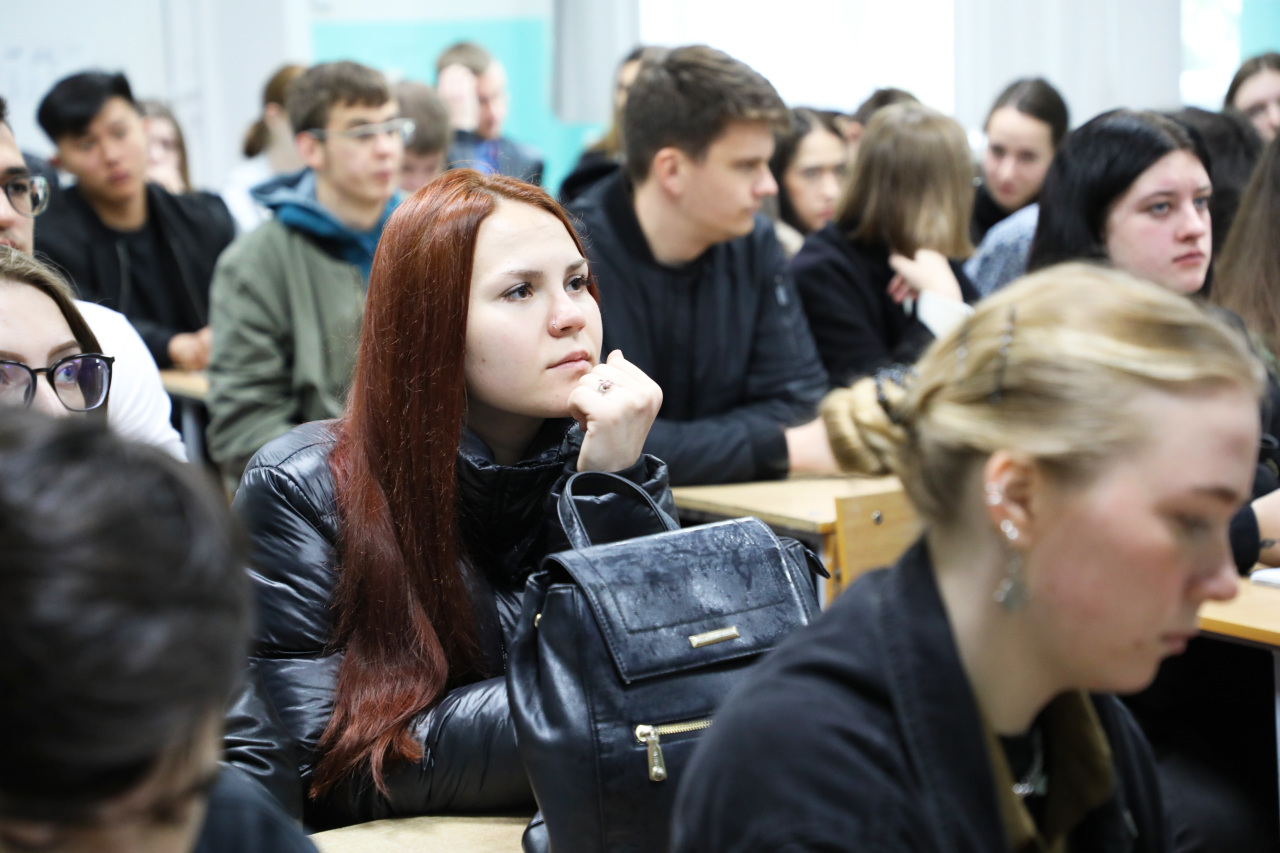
pixel 292 198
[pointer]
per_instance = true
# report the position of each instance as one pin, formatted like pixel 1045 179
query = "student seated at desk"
pixel 391 547
pixel 1076 450
pixel 123 614
pixel 694 284
pixel 904 211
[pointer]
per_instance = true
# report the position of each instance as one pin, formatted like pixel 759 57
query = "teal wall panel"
pixel 1259 27
pixel 409 49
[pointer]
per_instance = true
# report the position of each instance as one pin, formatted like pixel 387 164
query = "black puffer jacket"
pixel 469 763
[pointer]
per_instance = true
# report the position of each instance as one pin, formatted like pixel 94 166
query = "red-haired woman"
pixel 391 546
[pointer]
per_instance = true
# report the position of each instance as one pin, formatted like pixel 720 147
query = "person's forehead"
pixel 348 113
pixel 10 155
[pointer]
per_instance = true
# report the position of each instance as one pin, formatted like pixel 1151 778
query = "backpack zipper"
pixel 651 736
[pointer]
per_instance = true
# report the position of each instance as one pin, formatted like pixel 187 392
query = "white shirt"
pixel 139 407
pixel 244 177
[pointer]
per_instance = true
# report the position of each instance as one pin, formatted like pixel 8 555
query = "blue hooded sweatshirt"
pixel 292 198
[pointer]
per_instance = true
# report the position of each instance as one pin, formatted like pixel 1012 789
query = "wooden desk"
pixel 804 508
pixel 189 388
pixel 188 384
pixel 1253 618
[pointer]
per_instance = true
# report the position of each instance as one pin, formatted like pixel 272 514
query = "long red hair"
pixel 401 607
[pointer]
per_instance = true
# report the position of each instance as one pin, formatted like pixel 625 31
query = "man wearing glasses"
pixel 124 243
pixel 140 408
pixel 288 298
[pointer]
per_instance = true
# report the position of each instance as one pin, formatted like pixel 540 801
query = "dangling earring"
pixel 1012 593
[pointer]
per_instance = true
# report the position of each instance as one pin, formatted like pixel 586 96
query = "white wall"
pixel 1099 53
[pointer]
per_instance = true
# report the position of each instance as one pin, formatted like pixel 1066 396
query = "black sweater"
pixel 858 328
pixel 190 233
pixel 723 336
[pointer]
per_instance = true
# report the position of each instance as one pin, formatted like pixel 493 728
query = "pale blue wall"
pixel 409 49
pixel 1259 27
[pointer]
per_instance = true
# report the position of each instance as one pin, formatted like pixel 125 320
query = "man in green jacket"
pixel 288 298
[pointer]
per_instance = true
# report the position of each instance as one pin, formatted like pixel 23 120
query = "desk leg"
pixel 1275 660
pixel 192 434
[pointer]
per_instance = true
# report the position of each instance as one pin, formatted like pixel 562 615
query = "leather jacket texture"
pixel 507 521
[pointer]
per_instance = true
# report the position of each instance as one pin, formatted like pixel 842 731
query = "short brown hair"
pixel 684 98
pixel 878 100
pixel 320 88
pixel 468 54
pixel 912 183
pixel 420 104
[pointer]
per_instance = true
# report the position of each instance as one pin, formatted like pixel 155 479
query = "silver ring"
pixel 605 385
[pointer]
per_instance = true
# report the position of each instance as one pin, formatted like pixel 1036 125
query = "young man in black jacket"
pixel 124 243
pixel 124 611
pixel 694 286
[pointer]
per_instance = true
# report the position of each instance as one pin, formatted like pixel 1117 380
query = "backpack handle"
pixel 597 508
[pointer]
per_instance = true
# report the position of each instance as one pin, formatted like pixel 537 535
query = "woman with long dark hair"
pixel 808 163
pixel 391 546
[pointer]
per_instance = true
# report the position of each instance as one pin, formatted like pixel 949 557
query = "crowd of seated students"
pixel 410 345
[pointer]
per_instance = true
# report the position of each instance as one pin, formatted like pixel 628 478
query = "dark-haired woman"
pixel 391 546
pixel 1026 125
pixel 808 165
pixel 1255 91
pixel 1133 189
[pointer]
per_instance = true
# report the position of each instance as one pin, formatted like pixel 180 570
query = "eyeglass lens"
pixel 28 194
pixel 401 127
pixel 80 381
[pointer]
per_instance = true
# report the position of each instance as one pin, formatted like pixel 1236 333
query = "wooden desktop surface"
pixel 192 384
pixel 807 505
pixel 1253 615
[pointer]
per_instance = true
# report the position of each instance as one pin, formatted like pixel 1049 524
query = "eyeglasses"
pixel 29 194
pixel 366 133
pixel 81 382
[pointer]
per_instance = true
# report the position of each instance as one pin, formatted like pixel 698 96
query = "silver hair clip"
pixel 1006 344
pixel 898 374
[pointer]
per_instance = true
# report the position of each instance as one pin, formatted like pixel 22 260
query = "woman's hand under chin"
pixel 615 404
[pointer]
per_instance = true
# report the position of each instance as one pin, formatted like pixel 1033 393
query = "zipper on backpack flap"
pixel 651 736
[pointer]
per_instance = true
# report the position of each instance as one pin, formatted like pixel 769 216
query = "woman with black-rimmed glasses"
pixel 50 359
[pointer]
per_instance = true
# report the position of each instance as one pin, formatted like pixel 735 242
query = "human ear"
pixel 310 150
pixel 1012 485
pixel 669 169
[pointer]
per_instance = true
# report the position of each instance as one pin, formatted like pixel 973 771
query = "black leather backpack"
pixel 625 649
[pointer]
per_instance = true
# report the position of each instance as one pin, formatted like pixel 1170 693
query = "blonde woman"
pixel 905 211
pixel 1076 450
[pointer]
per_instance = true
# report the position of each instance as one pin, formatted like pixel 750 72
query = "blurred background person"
pixel 876 101
pixel 424 153
pixel 1024 128
pixel 473 83
pixel 808 164
pixel 905 211
pixel 1255 91
pixel 166 148
pixel 122 241
pixel 605 156
pixel 123 635
pixel 1247 273
pixel 269 150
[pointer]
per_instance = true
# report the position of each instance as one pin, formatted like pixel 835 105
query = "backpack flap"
pixel 688 598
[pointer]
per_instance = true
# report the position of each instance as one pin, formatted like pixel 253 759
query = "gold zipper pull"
pixel 657 764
